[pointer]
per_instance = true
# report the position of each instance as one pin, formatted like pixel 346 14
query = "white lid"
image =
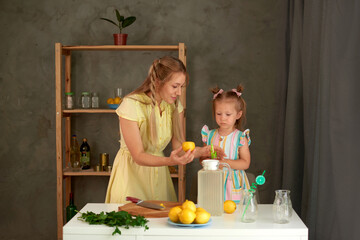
pixel 210 164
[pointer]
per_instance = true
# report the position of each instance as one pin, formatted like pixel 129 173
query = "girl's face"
pixel 226 114
pixel 172 88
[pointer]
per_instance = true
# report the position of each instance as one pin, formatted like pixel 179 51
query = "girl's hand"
pixel 205 152
pixel 181 160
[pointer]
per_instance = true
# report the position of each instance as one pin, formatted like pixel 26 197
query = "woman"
pixel 150 117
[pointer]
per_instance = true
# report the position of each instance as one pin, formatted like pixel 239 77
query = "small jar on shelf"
pixel 95 100
pixel 85 100
pixel 69 100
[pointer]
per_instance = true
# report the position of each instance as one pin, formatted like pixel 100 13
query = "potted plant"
pixel 122 22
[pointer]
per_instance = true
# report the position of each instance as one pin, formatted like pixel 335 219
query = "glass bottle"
pixel 211 187
pixel 85 154
pixel 70 209
pixel 85 100
pixel 69 100
pixel 74 154
pixel 282 207
pixel 94 100
pixel 248 207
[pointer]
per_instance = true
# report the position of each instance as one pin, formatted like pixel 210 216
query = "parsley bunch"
pixel 115 219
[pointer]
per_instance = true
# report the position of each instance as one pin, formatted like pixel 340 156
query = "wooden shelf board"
pixel 89 110
pixel 87 172
pixel 123 48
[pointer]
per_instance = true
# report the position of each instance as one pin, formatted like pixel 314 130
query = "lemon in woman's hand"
pixel 187 216
pixel 190 205
pixel 202 217
pixel 229 206
pixel 174 214
pixel 186 146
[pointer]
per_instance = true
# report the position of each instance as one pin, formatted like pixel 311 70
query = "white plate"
pixel 193 225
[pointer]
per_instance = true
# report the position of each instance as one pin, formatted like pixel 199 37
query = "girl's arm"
pixel 132 138
pixel 244 160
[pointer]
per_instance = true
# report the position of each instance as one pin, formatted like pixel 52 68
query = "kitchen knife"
pixel 145 203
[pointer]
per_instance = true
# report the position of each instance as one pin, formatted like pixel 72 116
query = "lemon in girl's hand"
pixel 188 146
pixel 229 206
pixel 202 217
pixel 174 214
pixel 189 204
pixel 187 216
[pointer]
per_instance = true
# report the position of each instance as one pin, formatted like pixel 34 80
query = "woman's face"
pixel 172 88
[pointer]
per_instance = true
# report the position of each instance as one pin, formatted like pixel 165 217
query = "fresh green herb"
pixel 115 219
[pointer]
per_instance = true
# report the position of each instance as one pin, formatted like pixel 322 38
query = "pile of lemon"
pixel 188 213
pixel 115 100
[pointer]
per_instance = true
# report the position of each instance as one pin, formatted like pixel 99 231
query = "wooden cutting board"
pixel 134 209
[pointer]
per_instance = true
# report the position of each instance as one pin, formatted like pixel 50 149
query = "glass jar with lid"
pixel 85 100
pixel 69 100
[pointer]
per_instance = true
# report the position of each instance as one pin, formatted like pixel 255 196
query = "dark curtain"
pixel 320 158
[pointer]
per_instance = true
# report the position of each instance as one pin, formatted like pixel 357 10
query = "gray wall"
pixel 228 42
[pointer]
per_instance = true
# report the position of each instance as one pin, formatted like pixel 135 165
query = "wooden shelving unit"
pixel 64 175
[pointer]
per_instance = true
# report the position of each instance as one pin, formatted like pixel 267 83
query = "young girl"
pixel 229 110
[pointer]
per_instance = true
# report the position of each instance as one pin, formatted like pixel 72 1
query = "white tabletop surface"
pixel 227 226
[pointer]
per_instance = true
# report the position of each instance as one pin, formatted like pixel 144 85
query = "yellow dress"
pixel 130 179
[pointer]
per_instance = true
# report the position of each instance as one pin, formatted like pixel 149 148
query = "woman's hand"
pixel 177 159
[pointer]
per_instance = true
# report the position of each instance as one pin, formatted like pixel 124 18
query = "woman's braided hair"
pixel 159 73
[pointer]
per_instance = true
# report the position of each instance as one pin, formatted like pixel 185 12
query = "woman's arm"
pixel 244 160
pixel 132 138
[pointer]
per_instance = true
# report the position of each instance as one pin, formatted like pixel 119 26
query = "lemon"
pixel 174 214
pixel 199 209
pixel 110 101
pixel 187 216
pixel 117 100
pixel 190 205
pixel 229 206
pixel 202 217
pixel 188 146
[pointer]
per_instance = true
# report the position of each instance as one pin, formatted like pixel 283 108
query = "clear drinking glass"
pixel 248 207
pixel 282 207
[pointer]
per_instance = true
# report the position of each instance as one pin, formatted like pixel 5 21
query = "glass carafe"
pixel 282 207
pixel 211 187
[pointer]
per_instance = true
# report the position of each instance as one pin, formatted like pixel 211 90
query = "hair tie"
pixel 219 92
pixel 235 91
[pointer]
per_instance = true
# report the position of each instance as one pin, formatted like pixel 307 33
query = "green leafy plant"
pixel 115 219
pixel 122 22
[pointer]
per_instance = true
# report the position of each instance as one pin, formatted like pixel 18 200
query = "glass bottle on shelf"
pixel 85 154
pixel 70 209
pixel 74 154
pixel 85 100
pixel 94 100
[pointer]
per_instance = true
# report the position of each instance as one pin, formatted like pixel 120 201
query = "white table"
pixel 227 226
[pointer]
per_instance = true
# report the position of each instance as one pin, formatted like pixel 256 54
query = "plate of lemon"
pixel 188 215
pixel 191 225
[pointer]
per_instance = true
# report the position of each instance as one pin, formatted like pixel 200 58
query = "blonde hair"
pixel 160 72
pixel 237 98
